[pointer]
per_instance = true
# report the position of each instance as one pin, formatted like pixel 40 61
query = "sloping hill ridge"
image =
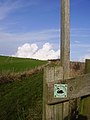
pixel 21 99
pixel 14 64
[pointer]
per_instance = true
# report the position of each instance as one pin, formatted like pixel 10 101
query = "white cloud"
pixel 77 42
pixel 8 5
pixel 80 32
pixel 33 51
pixel 37 36
pixel 84 46
pixel 10 41
pixel 82 59
pixel 76 35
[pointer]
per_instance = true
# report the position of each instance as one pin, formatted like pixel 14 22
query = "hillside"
pixel 21 100
pixel 12 64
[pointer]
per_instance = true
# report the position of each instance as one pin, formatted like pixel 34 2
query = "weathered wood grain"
pixel 65 36
pixel 58 107
pixel 77 87
pixel 65 45
pixel 51 74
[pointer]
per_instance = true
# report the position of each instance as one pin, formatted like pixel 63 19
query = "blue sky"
pixel 27 22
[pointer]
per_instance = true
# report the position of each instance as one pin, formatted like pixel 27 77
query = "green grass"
pixel 85 102
pixel 12 64
pixel 85 106
pixel 22 100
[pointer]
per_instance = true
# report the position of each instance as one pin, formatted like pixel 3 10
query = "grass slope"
pixel 12 64
pixel 21 100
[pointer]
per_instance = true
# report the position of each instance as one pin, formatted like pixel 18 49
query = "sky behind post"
pixel 31 28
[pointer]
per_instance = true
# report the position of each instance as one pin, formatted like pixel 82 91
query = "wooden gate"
pixel 61 92
pixel 66 108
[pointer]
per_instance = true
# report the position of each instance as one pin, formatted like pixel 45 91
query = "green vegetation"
pixel 85 103
pixel 21 100
pixel 85 106
pixel 12 64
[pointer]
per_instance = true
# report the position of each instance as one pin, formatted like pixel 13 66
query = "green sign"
pixel 60 90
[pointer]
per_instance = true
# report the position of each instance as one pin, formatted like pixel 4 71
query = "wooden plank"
pixel 51 74
pixel 49 112
pixel 77 87
pixel 65 109
pixel 58 108
pixel 48 77
pixel 58 111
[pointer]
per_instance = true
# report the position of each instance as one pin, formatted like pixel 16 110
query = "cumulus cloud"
pixel 33 51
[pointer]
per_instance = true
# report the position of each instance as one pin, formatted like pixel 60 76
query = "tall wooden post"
pixel 65 47
pixel 58 111
pixel 65 36
pixel 55 106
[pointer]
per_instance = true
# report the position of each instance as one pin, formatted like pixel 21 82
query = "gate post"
pixel 59 111
pixel 51 74
pixel 65 47
pixel 65 37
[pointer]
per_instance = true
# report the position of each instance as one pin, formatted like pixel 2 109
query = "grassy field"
pixel 21 100
pixel 12 64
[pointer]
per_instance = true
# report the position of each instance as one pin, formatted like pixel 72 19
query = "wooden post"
pixel 51 74
pixel 56 108
pixel 65 47
pixel 65 37
pixel 65 53
pixel 59 111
